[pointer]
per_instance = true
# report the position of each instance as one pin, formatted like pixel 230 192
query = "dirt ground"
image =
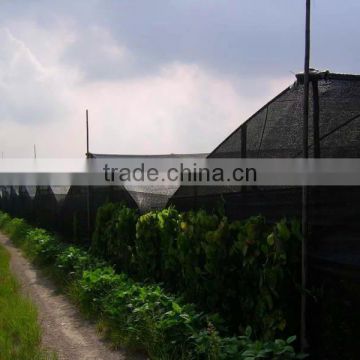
pixel 64 330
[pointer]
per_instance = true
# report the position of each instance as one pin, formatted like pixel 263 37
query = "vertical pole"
pixel 87 132
pixel 303 338
pixel 88 187
pixel 34 151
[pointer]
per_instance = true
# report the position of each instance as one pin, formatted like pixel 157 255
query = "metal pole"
pixel 303 339
pixel 88 201
pixel 34 151
pixel 87 133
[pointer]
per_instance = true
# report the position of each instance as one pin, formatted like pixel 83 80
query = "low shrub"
pixel 212 346
pixel 157 319
pixel 94 285
pixel 16 228
pixel 42 246
pixel 4 219
pixel 145 317
pixel 72 261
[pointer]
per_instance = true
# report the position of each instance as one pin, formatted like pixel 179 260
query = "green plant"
pixel 243 347
pixel 94 285
pixel 42 246
pixel 168 227
pixel 147 247
pixel 4 219
pixel 203 242
pixel 241 259
pixel 114 236
pixel 121 242
pixel 103 217
pixel 72 261
pixel 16 228
pixel 241 269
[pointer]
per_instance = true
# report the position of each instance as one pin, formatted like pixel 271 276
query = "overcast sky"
pixel 158 76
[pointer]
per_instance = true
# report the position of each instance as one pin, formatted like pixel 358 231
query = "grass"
pixel 20 333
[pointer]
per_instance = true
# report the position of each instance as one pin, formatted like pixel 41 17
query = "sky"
pixel 159 76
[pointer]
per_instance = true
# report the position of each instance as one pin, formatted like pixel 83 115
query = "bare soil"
pixel 64 330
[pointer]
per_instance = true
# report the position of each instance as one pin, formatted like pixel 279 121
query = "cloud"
pixel 180 107
pixel 247 38
pixel 97 56
pixel 29 91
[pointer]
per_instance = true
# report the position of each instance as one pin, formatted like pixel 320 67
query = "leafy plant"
pixel 95 284
pixel 147 247
pixel 239 269
pixel 42 246
pixel 4 220
pixel 72 261
pixel 114 236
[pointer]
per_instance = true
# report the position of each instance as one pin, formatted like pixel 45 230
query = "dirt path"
pixel 64 330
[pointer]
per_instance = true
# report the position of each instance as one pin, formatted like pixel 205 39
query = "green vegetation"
pixel 146 316
pixel 247 271
pixel 20 335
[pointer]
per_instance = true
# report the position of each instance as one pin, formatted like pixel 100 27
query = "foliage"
pixel 114 236
pixel 241 269
pixel 243 347
pixel 16 228
pixel 166 326
pixel 43 246
pixel 147 245
pixel 146 317
pixel 103 218
pixel 94 285
pixel 4 220
pixel 72 261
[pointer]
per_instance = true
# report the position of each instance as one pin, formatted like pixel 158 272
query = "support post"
pixel 304 223
pixel 88 206
pixel 87 133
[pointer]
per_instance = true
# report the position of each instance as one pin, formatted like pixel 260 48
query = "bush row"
pixel 131 313
pixel 245 270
